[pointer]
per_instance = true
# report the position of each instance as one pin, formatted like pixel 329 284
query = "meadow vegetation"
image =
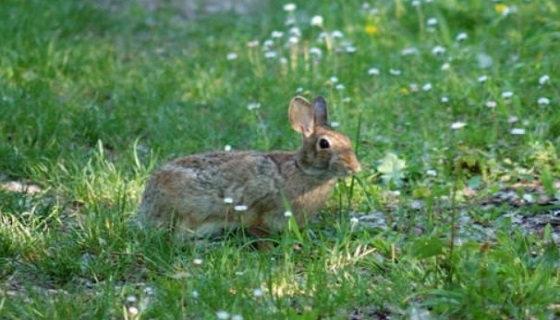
pixel 452 107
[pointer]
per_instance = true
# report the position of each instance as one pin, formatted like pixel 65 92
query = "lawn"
pixel 452 108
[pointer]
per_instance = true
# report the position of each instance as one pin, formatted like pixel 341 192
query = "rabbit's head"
pixel 325 153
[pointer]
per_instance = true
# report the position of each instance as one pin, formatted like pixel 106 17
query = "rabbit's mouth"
pixel 343 171
pixel 347 167
pixel 346 171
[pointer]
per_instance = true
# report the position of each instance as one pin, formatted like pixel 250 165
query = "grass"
pixel 95 95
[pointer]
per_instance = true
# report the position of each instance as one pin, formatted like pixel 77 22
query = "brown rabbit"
pixel 202 194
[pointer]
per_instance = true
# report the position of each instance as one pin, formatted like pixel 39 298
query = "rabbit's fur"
pixel 193 193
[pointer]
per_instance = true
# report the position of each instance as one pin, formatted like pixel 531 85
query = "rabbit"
pixel 202 194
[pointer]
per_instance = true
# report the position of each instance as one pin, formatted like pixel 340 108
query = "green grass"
pixel 94 95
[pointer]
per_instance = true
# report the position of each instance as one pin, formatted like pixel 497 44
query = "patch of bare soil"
pixel 527 206
pixel 6 184
pixel 193 8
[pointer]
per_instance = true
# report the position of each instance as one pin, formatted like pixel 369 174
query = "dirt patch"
pixel 193 8
pixel 527 207
pixel 19 187
pixel 9 185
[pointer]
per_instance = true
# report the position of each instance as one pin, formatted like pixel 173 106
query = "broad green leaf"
pixel 392 169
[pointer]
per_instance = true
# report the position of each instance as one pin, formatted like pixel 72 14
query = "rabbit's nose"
pixel 356 167
pixel 352 163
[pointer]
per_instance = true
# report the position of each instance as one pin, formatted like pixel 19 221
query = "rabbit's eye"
pixel 324 143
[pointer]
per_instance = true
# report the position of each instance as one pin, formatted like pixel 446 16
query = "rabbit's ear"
pixel 302 116
pixel 321 114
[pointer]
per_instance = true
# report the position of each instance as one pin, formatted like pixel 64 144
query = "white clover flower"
pixel 462 36
pixel 333 79
pixel 253 106
pixel 543 100
pixel 295 31
pixel 544 79
pixel 315 51
pixel 335 124
pixel 293 40
pixel 373 71
pixel 507 94
pixel 432 22
pixel 512 119
pixel 195 294
pixel 491 104
pixel 283 60
pixel 337 34
pixel 444 99
pixel 197 261
pixel 427 87
pixel 339 86
pixel 257 293
pixel 415 3
pixel 228 199
pixel 277 34
pixel 517 131
pixel 446 66
pixel 289 7
pixel 240 208
pixel 354 220
pixel 409 51
pixel 268 43
pixel 270 54
pixel 431 172
pixel 288 213
pixel 395 72
pixel 222 315
pixel 322 36
pixel 317 21
pixel 437 50
pixel 231 56
pixel 253 43
pixel 482 79
pixel 133 310
pixel 507 10
pixel 458 125
pixel 350 49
